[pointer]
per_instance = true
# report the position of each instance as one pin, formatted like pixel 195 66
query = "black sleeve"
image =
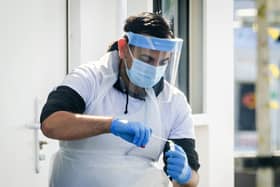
pixel 188 146
pixel 63 98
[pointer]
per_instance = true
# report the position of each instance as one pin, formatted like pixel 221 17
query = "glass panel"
pixel 190 74
pixel 176 11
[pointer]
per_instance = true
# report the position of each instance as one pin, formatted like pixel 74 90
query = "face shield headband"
pixel 159 44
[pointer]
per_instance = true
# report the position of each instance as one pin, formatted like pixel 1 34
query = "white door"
pixel 32 62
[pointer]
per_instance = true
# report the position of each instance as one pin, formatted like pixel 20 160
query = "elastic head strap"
pixel 121 44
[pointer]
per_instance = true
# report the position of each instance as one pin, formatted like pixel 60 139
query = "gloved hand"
pixel 133 132
pixel 177 165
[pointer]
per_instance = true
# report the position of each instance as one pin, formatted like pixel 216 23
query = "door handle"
pixel 42 143
pixel 38 144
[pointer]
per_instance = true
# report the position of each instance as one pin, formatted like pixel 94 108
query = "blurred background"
pixel 256 80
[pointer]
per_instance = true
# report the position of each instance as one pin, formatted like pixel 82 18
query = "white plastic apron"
pixel 109 161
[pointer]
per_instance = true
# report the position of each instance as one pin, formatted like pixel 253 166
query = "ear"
pixel 121 46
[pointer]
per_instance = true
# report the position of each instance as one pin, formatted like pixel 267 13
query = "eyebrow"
pixel 152 59
pixel 147 56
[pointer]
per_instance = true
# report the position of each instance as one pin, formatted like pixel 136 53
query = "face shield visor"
pixel 152 59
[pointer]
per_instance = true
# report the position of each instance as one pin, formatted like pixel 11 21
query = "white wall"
pixel 219 90
pixel 94 25
pixel 98 29
pixel 136 6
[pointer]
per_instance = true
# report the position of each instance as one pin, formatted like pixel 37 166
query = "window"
pixel 187 22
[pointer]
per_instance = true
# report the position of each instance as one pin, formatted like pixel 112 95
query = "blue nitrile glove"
pixel 177 165
pixel 133 132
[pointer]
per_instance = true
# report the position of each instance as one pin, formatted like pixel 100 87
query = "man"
pixel 113 116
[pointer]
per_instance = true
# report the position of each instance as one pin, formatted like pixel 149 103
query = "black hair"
pixel 146 23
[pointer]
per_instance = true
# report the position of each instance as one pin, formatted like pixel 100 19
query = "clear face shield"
pixel 152 59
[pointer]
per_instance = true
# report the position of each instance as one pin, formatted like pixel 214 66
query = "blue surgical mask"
pixel 144 75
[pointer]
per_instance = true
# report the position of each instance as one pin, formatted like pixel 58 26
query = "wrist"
pixel 108 124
